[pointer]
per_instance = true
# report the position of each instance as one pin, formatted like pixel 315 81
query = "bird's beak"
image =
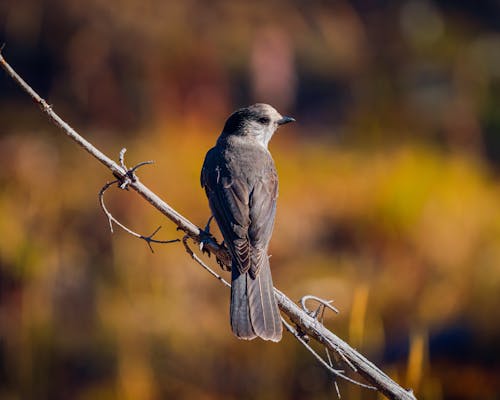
pixel 285 120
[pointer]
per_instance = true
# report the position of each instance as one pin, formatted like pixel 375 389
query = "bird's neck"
pixel 235 140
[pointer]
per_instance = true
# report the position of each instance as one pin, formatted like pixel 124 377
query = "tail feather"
pixel 254 310
pixel 264 312
pixel 239 311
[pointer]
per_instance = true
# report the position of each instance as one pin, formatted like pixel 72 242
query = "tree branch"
pixel 148 239
pixel 299 317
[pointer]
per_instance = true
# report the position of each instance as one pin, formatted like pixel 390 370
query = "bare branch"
pixel 330 363
pixel 148 239
pixel 336 372
pixel 121 158
pixel 200 261
pixel 325 303
pixel 318 314
pixel 300 318
pixel 130 175
pixel 119 172
pixel 319 332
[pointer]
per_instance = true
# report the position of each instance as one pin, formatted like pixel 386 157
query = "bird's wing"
pixel 229 201
pixel 262 207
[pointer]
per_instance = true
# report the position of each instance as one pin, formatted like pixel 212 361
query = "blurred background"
pixel 389 194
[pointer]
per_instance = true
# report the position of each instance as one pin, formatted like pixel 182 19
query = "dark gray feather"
pixel 241 184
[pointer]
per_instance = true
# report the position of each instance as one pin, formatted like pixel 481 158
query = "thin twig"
pixel 325 303
pixel 321 318
pixel 148 239
pixel 136 167
pixel 336 372
pixel 200 261
pixel 121 158
pixel 330 363
pixel 342 356
pixel 299 317
pixel 130 176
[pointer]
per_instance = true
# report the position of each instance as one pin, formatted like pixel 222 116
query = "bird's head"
pixel 258 121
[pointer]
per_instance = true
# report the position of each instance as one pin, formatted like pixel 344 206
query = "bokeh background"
pixel 389 193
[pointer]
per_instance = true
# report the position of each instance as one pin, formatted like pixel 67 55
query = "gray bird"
pixel 241 184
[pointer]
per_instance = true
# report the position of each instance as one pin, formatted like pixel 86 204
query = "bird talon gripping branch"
pixel 206 236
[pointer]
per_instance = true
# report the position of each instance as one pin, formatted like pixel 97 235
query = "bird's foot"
pixel 206 237
pixel 207 226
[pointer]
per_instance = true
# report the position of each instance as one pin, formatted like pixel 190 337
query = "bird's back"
pixel 240 179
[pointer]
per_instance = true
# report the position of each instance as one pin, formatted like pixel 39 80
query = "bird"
pixel 240 180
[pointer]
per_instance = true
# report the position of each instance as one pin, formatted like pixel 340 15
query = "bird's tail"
pixel 254 311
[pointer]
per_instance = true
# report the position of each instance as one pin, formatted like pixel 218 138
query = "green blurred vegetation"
pixel 389 194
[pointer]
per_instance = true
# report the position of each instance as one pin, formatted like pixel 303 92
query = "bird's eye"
pixel 264 120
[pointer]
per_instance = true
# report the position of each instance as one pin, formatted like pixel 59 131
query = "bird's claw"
pixel 204 249
pixel 302 334
pixel 206 237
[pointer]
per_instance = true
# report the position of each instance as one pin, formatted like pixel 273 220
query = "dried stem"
pixel 325 303
pixel 148 239
pixel 304 322
pixel 335 372
pixel 318 314
pixel 200 261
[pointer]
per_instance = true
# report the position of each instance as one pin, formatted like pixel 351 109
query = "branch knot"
pixel 129 176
